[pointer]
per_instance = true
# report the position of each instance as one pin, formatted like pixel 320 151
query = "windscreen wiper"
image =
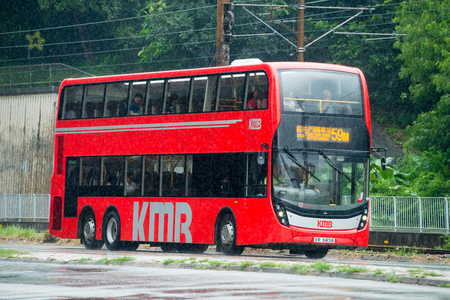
pixel 292 157
pixel 330 162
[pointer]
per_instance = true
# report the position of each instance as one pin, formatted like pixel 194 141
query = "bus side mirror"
pixel 260 159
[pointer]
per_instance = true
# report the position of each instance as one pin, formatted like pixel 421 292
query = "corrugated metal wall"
pixel 27 126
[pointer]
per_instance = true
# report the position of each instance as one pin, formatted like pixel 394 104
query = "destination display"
pixel 323 134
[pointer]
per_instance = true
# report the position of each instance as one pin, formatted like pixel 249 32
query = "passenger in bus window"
pixel 290 104
pixel 253 102
pixel 264 101
pixel 172 109
pixel 131 185
pixel 114 179
pixel 135 106
pixel 334 108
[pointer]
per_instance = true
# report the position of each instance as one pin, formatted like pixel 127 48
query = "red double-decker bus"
pixel 268 155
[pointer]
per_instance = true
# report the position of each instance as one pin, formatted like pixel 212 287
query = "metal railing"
pixel 40 75
pixel 21 207
pixel 387 213
pixel 409 214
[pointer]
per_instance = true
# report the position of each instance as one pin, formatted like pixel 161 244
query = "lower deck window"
pixel 193 175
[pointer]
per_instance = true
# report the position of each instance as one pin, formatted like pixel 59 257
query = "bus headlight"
pixel 364 218
pixel 280 211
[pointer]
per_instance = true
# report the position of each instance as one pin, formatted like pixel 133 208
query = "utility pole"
pixel 223 47
pixel 300 30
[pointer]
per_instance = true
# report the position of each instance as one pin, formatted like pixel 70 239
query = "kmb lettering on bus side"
pixel 174 229
pixel 254 124
pixel 325 224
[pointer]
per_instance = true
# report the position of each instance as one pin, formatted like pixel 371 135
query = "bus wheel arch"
pixel 87 228
pixel 111 230
pixel 226 232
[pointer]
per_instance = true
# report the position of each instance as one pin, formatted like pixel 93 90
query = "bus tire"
pixel 88 233
pixel 316 253
pixel 227 236
pixel 112 231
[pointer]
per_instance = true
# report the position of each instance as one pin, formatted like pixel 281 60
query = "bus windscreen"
pixel 325 92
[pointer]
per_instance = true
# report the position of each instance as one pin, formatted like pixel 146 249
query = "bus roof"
pixel 203 71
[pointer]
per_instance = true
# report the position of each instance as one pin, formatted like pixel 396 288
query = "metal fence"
pixel 21 207
pixel 410 214
pixel 37 75
pixel 387 213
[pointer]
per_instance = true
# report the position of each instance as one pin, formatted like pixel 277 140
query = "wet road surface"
pixel 72 272
pixel 43 280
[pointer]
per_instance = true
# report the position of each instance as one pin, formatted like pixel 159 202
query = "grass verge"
pixel 117 260
pixel 8 253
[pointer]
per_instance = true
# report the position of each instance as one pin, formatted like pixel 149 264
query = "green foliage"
pixel 446 239
pixel 426 61
pixel 431 129
pixel 387 182
pixel 424 50
pixel 9 253
pixel 424 175
pixel 117 260
pixel 351 269
pixel 321 266
pixel 393 278
pixel 300 268
pixel 429 173
pixel 247 263
pixel 85 259
pixel 175 29
pixel 19 233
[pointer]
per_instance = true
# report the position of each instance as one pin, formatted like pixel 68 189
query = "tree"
pixel 91 34
pixel 179 34
pixel 426 61
pixel 425 49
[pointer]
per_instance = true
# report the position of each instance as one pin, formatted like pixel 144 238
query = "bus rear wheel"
pixel 227 236
pixel 316 253
pixel 88 234
pixel 112 232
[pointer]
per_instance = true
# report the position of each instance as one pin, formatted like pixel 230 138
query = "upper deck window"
pixel 93 101
pixel 71 108
pixel 159 96
pixel 321 92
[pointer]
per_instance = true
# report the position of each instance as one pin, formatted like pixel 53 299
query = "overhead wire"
pixel 163 34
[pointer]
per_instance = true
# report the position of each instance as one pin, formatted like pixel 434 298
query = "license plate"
pixel 323 240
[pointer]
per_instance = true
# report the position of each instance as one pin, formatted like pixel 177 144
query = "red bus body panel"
pixel 187 133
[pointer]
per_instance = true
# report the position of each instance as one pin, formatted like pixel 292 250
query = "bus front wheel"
pixel 88 236
pixel 227 236
pixel 112 232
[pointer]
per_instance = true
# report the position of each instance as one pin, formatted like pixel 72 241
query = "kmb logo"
pixel 254 124
pixel 325 224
